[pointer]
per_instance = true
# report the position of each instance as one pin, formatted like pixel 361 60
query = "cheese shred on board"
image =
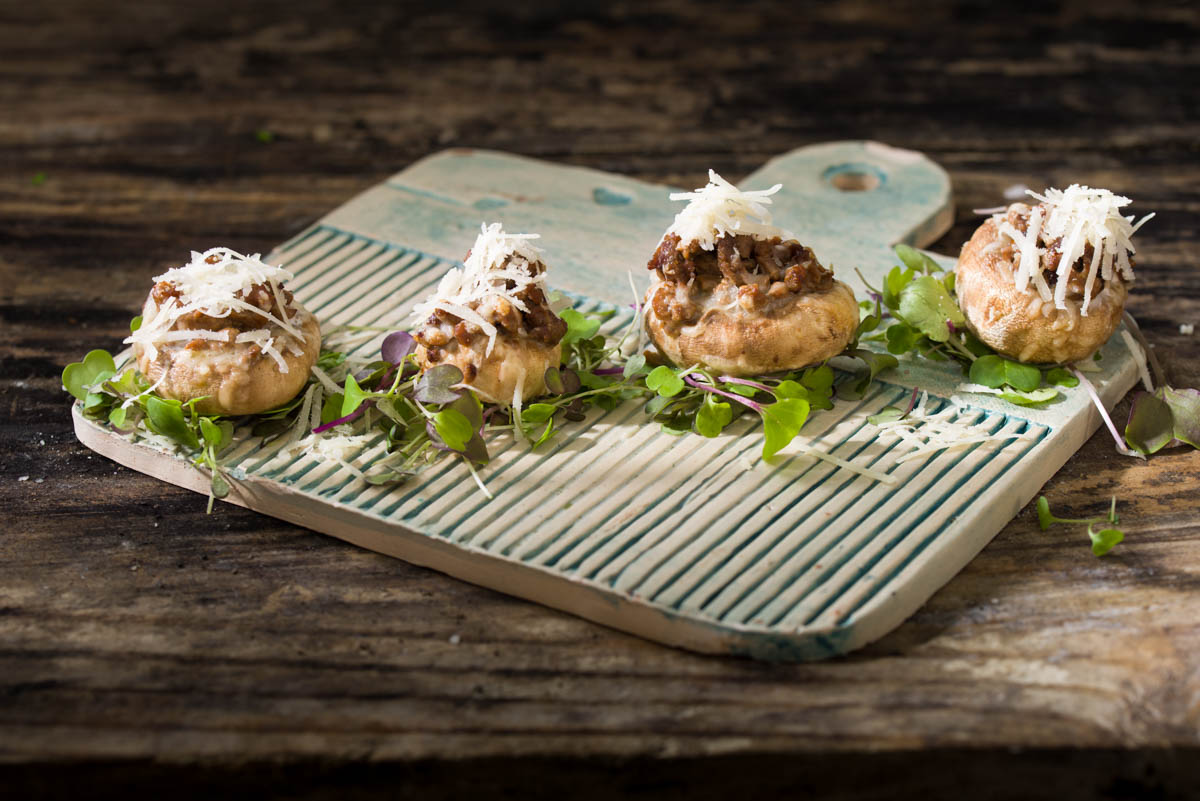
pixel 721 209
pixel 925 432
pixel 214 283
pixel 1074 218
pixel 499 265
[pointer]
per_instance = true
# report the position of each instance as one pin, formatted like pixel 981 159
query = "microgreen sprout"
pixel 1103 540
pixel 917 297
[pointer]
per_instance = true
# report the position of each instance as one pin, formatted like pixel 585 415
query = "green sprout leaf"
pixel 547 433
pixel 220 487
pixel 741 389
pixel 330 359
pixel 782 421
pixel 166 418
pixel 1062 377
pixel 117 415
pixel 712 416
pixel 926 305
pixel 1045 519
pixel 635 365
pixel 579 326
pixel 454 429
pixel 888 414
pixel 664 381
pixel 135 324
pixel 1034 398
pixel 538 412
pixel 994 371
pixel 901 338
pixel 893 284
pixel 790 389
pixel 917 261
pixel 352 397
pixel 469 407
pixel 818 379
pixel 1104 540
pixel 211 432
pixel 331 409
pixel 78 377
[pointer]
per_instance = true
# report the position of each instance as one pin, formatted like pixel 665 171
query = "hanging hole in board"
pixel 854 177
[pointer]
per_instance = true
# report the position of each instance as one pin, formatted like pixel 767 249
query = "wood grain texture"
pixel 152 644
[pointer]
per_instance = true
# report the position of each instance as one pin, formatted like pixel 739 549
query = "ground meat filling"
pixel 236 322
pixel 445 330
pixel 1018 215
pixel 759 271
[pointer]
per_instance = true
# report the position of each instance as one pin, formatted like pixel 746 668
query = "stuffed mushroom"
pixel 492 320
pixel 731 292
pixel 1047 283
pixel 223 331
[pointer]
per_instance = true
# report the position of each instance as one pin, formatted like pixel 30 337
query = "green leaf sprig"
pixel 694 399
pixel 918 296
pixel 126 401
pixel 1103 540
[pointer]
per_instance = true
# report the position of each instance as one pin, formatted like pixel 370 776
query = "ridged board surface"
pixel 687 540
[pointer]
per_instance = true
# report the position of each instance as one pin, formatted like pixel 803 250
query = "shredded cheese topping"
pixel 1079 216
pixel 495 259
pixel 212 288
pixel 719 209
pixel 927 433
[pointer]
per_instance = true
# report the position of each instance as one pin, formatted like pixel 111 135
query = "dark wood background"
pixel 147 646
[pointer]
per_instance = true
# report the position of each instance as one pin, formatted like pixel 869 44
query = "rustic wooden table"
pixel 147 646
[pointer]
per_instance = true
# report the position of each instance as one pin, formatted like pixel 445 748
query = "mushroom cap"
pixel 232 378
pixel 786 334
pixel 1020 324
pixel 497 375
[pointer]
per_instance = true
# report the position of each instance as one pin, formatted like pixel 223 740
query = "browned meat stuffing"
pixel 1018 216
pixel 762 270
pixel 260 296
pixel 538 323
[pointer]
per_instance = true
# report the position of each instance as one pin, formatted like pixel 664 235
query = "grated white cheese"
pixel 264 340
pixel 720 208
pixel 212 288
pixel 335 445
pixel 927 433
pixel 495 259
pixel 867 472
pixel 327 382
pixel 1078 216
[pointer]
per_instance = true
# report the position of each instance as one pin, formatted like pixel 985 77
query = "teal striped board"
pixel 684 540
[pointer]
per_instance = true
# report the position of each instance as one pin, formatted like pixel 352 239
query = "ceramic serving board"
pixel 684 540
